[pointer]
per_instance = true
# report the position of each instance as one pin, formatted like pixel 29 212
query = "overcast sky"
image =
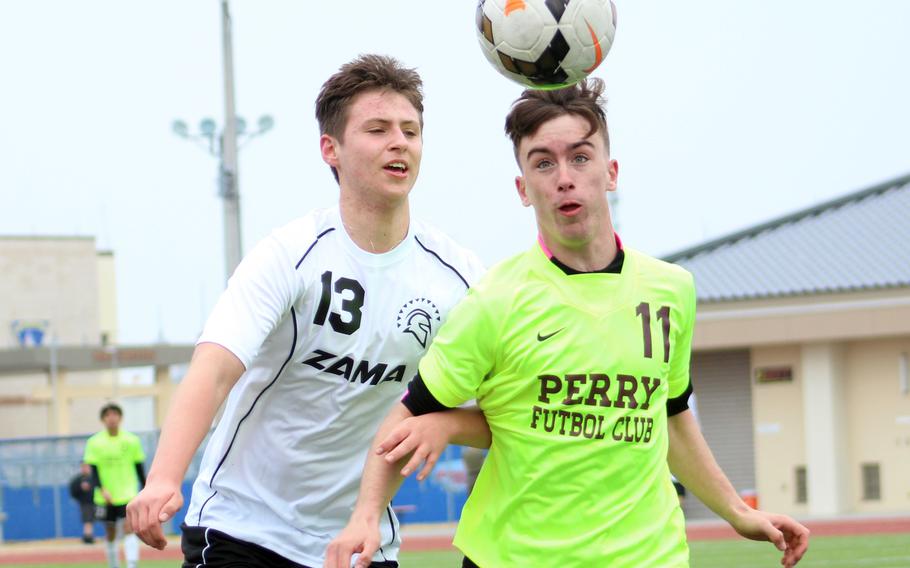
pixel 723 114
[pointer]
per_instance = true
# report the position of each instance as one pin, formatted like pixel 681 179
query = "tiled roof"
pixel 858 242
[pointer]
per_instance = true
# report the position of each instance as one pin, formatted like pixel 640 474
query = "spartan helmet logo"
pixel 416 318
pixel 419 325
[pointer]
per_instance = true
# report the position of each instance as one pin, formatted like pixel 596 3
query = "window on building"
pixel 872 486
pixel 801 494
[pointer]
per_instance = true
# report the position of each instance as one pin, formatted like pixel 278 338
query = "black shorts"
pixel 110 513
pixel 680 489
pixel 214 549
pixel 87 510
pixel 468 563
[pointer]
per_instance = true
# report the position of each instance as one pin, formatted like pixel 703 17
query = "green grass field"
pixel 866 551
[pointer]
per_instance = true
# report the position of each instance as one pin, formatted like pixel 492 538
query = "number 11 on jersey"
pixel 663 314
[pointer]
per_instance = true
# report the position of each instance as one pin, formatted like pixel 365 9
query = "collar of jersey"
pixel 594 293
pixel 615 266
pixel 369 258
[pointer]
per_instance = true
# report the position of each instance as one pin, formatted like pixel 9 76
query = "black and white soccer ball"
pixel 546 44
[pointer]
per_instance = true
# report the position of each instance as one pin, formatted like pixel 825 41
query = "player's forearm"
pixel 468 427
pixel 381 479
pixel 213 372
pixel 693 464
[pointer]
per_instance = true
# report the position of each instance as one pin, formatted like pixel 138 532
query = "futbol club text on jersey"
pixel 595 390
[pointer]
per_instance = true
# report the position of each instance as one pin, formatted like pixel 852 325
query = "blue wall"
pixel 30 511
pixel 30 514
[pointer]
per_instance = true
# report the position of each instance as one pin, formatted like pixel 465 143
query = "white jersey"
pixel 329 335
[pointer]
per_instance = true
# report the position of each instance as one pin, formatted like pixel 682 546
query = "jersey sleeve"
pixel 136 451
pixel 259 294
pixel 679 381
pixel 474 268
pixel 90 456
pixel 463 352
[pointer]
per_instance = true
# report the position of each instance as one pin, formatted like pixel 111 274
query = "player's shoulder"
pixel 287 244
pixel 656 268
pixel 503 278
pixel 130 436
pixel 303 231
pixel 96 438
pixel 447 250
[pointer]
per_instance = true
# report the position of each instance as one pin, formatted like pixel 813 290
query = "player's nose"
pixel 564 179
pixel 399 139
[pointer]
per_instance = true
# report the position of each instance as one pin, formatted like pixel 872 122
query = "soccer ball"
pixel 546 44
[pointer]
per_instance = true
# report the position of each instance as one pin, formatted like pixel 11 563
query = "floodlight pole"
pixel 225 146
pixel 228 188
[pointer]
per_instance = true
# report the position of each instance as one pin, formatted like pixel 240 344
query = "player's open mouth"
pixel 570 208
pixel 397 168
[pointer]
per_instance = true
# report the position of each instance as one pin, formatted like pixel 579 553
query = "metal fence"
pixel 34 484
pixel 35 473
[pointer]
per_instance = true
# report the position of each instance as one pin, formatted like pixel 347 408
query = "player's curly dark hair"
pixel 535 107
pixel 110 407
pixel 365 73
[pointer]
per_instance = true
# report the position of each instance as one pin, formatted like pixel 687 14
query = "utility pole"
pixel 229 191
pixel 224 146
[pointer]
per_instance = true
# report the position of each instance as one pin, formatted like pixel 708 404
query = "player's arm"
pixel 96 482
pixel 379 483
pixel 431 427
pixel 212 373
pixel 419 428
pixel 140 474
pixel 693 464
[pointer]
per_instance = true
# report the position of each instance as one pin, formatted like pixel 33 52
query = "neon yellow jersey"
pixel 573 374
pixel 116 458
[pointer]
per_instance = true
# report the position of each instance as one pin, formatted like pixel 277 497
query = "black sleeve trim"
pixel 140 471
pixel 419 400
pixel 96 481
pixel 446 264
pixel 680 403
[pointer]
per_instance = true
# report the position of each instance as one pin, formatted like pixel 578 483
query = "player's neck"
pixel 375 228
pixel 113 431
pixel 590 257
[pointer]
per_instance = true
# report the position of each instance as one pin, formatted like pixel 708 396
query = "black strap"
pixel 419 400
pixel 680 403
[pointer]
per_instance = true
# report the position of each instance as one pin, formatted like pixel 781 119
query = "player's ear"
pixel 612 175
pixel 328 147
pixel 522 191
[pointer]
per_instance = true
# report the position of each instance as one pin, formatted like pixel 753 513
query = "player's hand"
pixel 154 505
pixel 786 534
pixel 426 436
pixel 107 496
pixel 360 536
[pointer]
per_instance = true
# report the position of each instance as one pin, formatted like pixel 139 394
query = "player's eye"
pixel 410 133
pixel 543 164
pixel 580 159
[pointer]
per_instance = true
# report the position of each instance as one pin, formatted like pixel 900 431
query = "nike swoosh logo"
pixel 598 51
pixel 549 335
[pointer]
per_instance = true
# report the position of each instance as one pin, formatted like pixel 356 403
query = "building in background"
pixel 801 355
pixel 60 359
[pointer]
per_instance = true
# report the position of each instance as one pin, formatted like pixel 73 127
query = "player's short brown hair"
pixel 366 73
pixel 535 107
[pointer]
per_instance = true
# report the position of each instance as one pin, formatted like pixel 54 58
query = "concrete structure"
pixel 63 288
pixel 803 331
